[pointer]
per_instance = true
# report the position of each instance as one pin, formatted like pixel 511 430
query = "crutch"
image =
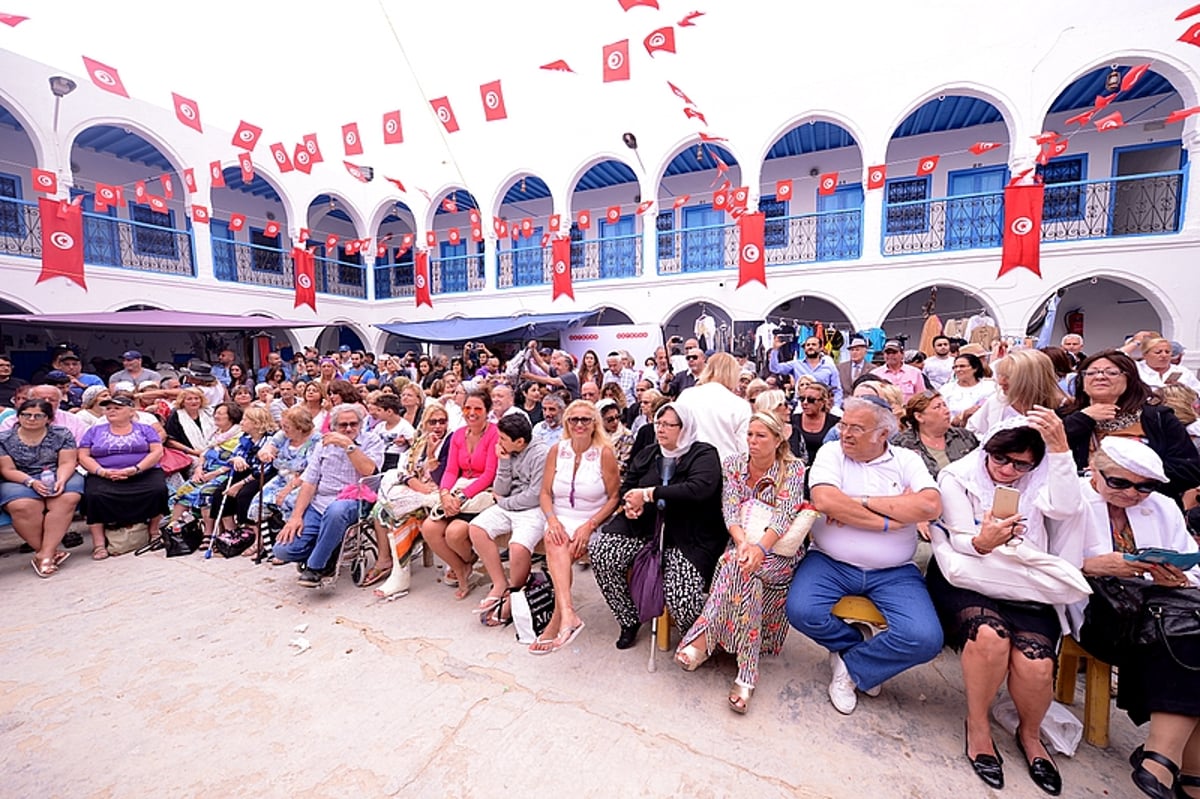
pixel 668 470
pixel 212 539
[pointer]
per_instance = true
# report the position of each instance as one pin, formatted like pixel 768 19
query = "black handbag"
pixel 1126 616
pixel 183 540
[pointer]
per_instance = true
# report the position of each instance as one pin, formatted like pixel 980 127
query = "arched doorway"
pixel 526 214
pixel 395 244
pixel 605 238
pixel 18 199
pixel 695 195
pixel 796 319
pixel 707 322
pixel 907 319
pixel 456 258
pixel 334 337
pixel 337 249
pixel 1104 311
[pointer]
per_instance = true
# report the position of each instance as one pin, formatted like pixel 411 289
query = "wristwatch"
pixel 351 448
pixel 645 495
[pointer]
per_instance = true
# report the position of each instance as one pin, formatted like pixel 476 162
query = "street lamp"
pixel 60 86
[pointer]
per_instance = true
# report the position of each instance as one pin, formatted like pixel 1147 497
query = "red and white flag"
pixel 271 230
pixel 217 174
pixel 477 232
pixel 720 200
pixel 498 227
pixel 583 221
pixel 421 278
pixel 237 222
pixel 493 101
pixel 1081 118
pixel 560 257
pixel 381 250
pixel 187 112
pixel 473 216
pixel 353 246
pixel 686 22
pixel 453 236
pixel 330 243
pixel 45 181
pixel 692 113
pixel 981 147
pixel 104 76
pixel 661 40
pixel 681 200
pixel 355 171
pixel 280 154
pixel 877 177
pixel 1103 101
pixel 1045 136
pixel 1191 35
pixel 1133 75
pixel 751 265
pixel 1191 11
pixel 927 166
pixel 644 206
pixel 1022 228
pixel 350 139
pixel 515 231
pixel 1110 122
pixel 1181 114
pixel 106 195
pixel 545 240
pixel 396 182
pixel 678 92
pixel 246 136
pixel 445 114
pixel 628 4
pixel 739 197
pixel 406 243
pixel 430 238
pixel 189 180
pixel 62 241
pixel 526 227
pixel 12 20
pixel 783 189
pixel 613 214
pixel 555 222
pixel 314 149
pixel 305 235
pixel 157 204
pixel 393 133
pixel 616 61
pixel 139 191
pixel 557 66
pixel 247 165
pixel 302 159
pixel 200 214
pixel 828 184
pixel 450 206
pixel 168 186
pixel 304 270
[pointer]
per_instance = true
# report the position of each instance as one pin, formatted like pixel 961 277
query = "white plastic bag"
pixel 1060 729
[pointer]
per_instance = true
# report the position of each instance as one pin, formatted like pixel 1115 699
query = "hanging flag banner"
pixel 350 139
pixel 105 77
pixel 421 278
pixel 445 115
pixel 560 257
pixel 187 112
pixel 877 177
pixel 62 241
pixel 783 190
pixel 751 264
pixel 393 133
pixel 616 61
pixel 660 41
pixel 45 181
pixel 304 270
pixel 280 154
pixel 247 165
pixel 1022 228
pixel 493 101
pixel 246 136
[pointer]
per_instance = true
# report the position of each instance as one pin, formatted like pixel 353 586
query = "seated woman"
pixel 1125 512
pixel 813 422
pixel 744 613
pixel 678 482
pixel 249 471
pixel 242 396
pixel 211 475
pixel 40 487
pixel 1001 639
pixel 970 388
pixel 926 430
pixel 190 425
pixel 90 412
pixel 579 493
pixel 124 484
pixel 1025 379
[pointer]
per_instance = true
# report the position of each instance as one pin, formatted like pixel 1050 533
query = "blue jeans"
pixel 321 534
pixel 913 635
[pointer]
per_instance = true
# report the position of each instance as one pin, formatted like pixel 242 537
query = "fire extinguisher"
pixel 1073 321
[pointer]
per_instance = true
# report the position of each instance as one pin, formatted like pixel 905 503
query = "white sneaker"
pixel 868 632
pixel 841 687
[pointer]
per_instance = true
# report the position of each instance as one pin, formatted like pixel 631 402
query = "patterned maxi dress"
pixel 746 616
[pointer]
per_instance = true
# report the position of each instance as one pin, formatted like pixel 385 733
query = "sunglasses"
pixel 693 357
pixel 580 421
pixel 611 418
pixel 810 400
pixel 346 425
pixel 1121 484
pixel 1019 466
pixel 438 421
pixel 32 415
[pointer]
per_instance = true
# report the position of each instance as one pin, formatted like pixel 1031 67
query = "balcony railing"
pixel 610 258
pixel 456 274
pixel 107 241
pixel 239 262
pixel 340 278
pixel 394 280
pixel 1088 209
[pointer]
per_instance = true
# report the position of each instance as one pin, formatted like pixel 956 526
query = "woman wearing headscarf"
pixel 677 483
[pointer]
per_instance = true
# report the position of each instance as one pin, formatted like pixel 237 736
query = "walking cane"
pixel 212 538
pixel 258 532
pixel 668 470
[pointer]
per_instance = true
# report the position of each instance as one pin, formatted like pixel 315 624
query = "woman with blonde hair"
pixel 190 425
pixel 721 415
pixel 1025 379
pixel 1156 370
pixel 1182 400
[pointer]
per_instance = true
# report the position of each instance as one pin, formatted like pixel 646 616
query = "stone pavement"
pixel 150 677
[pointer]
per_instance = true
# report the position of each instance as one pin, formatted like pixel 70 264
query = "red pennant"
pixel 1182 114
pixel 560 257
pixel 1192 35
pixel 498 227
pixel 1045 136
pixel 189 180
pixel 237 222
pixel 557 66
pixel 526 227
pixel 705 137
pixel 351 141
pixel 613 214
pixel 981 147
pixel 246 136
pixel 829 182
pixel 682 199
pixel 1110 122
pixel 445 114
pixel 1188 12
pixel 139 191
pixel 12 20
pixel 381 250
pixel 187 112
pixel 583 221
pixel 305 235
pixel 678 92
pixel 686 22
pixel 406 243
pixel 1058 148
pixel 168 186
pixel 720 200
pixel 1022 228
pixel 741 197
pixel 280 154
pixel 304 270
pixel 393 133
pixel 421 278
pixel 876 177
pixel 515 231
pixel 395 182
pixel 1103 101
pixel 353 247
pixel 692 113
pixel 45 181
pixel 217 175
pixel 1132 76
pixel 555 222
pixel 355 171
pixel 247 165
pixel 751 264
pixel 927 166
pixel 450 206
pixel 157 204
pixel 493 101
pixel 302 159
pixel 476 232
pixel 1081 118
pixel 104 77
pixel 330 243
pixel 62 241
pixel 453 236
pixel 271 230
pixel 616 61
pixel 722 167
pixel 783 189
pixel 628 4
pixel 545 240
pixel 314 149
pixel 430 238
pixel 106 195
pixel 661 40
pixel 473 216
pixel 200 214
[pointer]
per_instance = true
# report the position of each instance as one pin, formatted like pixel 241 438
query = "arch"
pixel 332 335
pixel 169 153
pixel 1171 322
pixel 1180 75
pixel 682 321
pixel 233 183
pixel 586 165
pixel 343 205
pixel 510 180
pixel 658 172
pixel 16 304
pixel 33 131
pixel 462 196
pixel 611 310
pixel 821 115
pixel 391 207
pixel 977 91
pixel 788 308
pixel 905 320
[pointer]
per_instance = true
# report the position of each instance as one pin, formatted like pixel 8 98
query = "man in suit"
pixel 856 367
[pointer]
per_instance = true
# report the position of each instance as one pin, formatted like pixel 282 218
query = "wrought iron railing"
pixel 394 280
pixel 821 236
pixel 456 274
pixel 610 258
pixel 240 262
pixel 340 278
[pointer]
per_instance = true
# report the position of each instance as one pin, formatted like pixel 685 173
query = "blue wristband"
pixel 886 523
pixel 760 546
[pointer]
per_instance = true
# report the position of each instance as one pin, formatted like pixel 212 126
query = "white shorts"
pixel 527 526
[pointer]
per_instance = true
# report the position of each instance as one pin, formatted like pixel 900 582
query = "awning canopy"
pixel 159 320
pixel 448 331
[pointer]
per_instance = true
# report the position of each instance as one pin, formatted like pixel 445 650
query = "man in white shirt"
pixel 53 395
pixel 939 367
pixel 871 496
pixel 504 403
pixel 550 430
pixel 620 374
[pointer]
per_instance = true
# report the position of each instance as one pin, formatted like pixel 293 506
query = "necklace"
pixel 1118 422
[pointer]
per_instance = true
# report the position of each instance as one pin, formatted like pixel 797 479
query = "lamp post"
pixel 60 86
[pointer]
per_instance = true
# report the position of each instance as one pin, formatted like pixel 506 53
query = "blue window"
pixel 224 255
pixel 158 239
pixel 703 239
pixel 454 266
pixel 775 232
pixel 664 224
pixel 839 231
pixel 12 222
pixel 912 218
pixel 618 256
pixel 1061 203
pixel 527 260
pixel 101 236
pixel 349 271
pixel 977 218
pixel 265 255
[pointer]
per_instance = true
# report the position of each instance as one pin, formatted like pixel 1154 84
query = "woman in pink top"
pixel 470 469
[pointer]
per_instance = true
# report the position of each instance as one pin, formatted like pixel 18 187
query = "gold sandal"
pixel 739 697
pixel 690 657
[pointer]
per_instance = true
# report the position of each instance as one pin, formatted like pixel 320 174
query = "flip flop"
pixel 99 553
pixel 488 604
pixel 448 579
pixel 60 557
pixel 542 646
pixel 464 591
pixel 375 575
pixel 571 632
pixel 44 569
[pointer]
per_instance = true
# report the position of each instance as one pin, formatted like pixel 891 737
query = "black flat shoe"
pixel 628 636
pixel 1185 781
pixel 1145 780
pixel 987 767
pixel 1043 772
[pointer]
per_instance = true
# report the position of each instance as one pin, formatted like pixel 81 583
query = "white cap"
pixel 1134 456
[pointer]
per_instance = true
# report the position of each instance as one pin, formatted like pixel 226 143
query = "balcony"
pixel 393 281
pixel 608 258
pixel 456 274
pixel 239 262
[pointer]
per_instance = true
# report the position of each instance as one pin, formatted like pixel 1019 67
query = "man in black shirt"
pixel 8 383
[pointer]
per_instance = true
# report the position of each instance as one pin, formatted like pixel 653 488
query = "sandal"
pixel 376 575
pixel 60 557
pixel 99 553
pixel 542 646
pixel 690 657
pixel 464 591
pixel 45 567
pixel 488 604
pixel 1185 781
pixel 1145 780
pixel 448 579
pixel 739 697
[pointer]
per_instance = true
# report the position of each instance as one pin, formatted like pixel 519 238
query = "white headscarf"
pixel 971 471
pixel 687 431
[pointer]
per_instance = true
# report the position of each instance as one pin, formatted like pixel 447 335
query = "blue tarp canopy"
pixel 448 331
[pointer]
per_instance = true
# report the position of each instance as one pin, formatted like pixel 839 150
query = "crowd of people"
pixel 773 491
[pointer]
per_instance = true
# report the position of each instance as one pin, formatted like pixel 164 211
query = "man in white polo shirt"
pixel 872 495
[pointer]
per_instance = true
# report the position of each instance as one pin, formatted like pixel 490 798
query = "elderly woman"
pixel 1001 639
pixel 1112 400
pixel 1025 379
pixel 721 415
pixel 124 484
pixel 676 484
pixel 744 613
pixel 210 477
pixel 190 425
pixel 250 472
pixel 926 430
pixel 1126 513
pixel 970 388
pixel 1182 400
pixel 652 399
pixel 40 487
pixel 1156 369
pixel 242 396
pixel 579 493
pixel 90 412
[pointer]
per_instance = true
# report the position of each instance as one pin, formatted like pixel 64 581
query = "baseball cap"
pixel 131 355
pixel 892 344
pixel 858 341
pixel 344 348
pixel 68 356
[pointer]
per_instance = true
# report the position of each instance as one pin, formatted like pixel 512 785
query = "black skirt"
pixel 121 502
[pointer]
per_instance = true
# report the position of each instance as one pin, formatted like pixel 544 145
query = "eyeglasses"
pixel 32 415
pixel 347 425
pixel 693 357
pixel 665 423
pixel 611 418
pixel 1121 484
pixel 580 421
pixel 438 421
pixel 1111 372
pixel 1018 466
pixel 810 400
pixel 854 429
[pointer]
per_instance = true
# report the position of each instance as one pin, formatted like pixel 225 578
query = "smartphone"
pixel 1005 502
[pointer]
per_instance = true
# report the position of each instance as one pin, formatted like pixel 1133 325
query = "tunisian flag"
pixel 305 270
pixel 560 256
pixel 421 278
pixel 750 252
pixel 62 240
pixel 1022 228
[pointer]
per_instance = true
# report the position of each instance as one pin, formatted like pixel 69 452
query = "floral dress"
pixel 218 456
pixel 746 616
pixel 290 461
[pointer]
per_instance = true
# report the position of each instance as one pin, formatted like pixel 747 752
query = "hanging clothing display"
pixel 931 329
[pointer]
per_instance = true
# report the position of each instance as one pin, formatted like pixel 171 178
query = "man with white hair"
pixel 550 430
pixel 621 374
pixel 62 418
pixel 319 519
pixel 871 496
pixel 1073 344
pixel 504 403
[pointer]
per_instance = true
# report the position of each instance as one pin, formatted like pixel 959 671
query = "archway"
pixel 249 229
pixel 1105 312
pixel 952 306
pixel 17 199
pixel 456 262
pixel 795 319
pixel 526 214
pixel 696 192
pixel 334 337
pixel 333 237
pixel 605 240
pixel 707 322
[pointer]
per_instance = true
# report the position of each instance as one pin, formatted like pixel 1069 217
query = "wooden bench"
pixel 1097 689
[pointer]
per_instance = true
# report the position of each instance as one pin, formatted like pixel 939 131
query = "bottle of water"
pixel 49 479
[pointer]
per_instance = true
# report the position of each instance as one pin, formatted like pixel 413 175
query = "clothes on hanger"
pixel 931 329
